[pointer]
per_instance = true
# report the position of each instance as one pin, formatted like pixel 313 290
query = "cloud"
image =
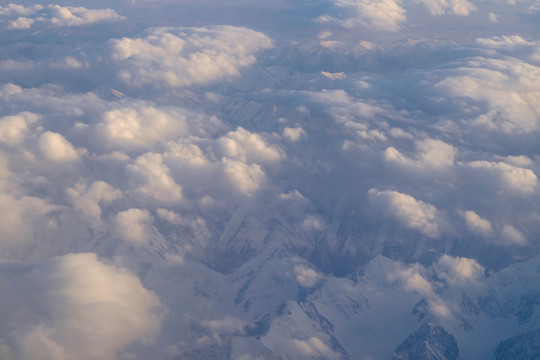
pixel 77 16
pixel 248 147
pixel 25 17
pixel 361 117
pixel 504 90
pixel 305 276
pixel 13 128
pixel 21 23
pixel 134 225
pixel 512 236
pixel 196 224
pixel 458 270
pixel 387 15
pixel 152 179
pixel 476 224
pixel 440 7
pixel 312 348
pixel 514 178
pixel 22 217
pixel 87 199
pixel 431 154
pixel 15 9
pixel 237 158
pixel 246 178
pixel 412 213
pixel 504 41
pixel 74 307
pixel 140 126
pixel 313 223
pixel 176 57
pixel 185 160
pixel 55 147
pixel 413 279
pixel 228 325
pixel 294 134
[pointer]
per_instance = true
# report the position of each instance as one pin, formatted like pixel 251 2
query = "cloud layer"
pixel 74 307
pixel 174 57
pixel 20 17
pixel 272 183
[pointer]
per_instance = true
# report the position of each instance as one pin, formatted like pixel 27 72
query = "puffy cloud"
pixel 412 213
pixel 14 128
pixel 152 178
pixel 431 154
pixel 313 223
pixel 305 276
pixel 55 147
pixel 74 307
pixel 190 171
pixel 15 9
pixel 413 279
pixel 476 224
pixel 435 153
pixel 248 147
pixel 360 117
pixel 22 217
pixel 512 236
pixel 170 216
pixel 186 152
pixel 246 178
pixel 387 15
pixel 134 225
pixel 344 107
pixel 294 134
pixel 54 15
pixel 458 269
pixel 140 127
pixel 77 16
pixel 440 7
pixel 87 200
pixel 176 57
pixel 515 178
pixel 506 87
pixel 21 23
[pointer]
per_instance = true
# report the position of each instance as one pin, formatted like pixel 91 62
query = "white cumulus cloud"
pixel 174 57
pixel 73 307
pixel 458 269
pixel 514 178
pixel 476 224
pixel 153 180
pixel 305 276
pixel 88 199
pixel 21 17
pixel 440 7
pixel 134 225
pixel 387 15
pixel 412 213
pixel 249 147
pixel 55 147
